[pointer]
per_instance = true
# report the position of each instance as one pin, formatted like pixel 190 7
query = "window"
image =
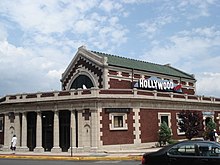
pixel 186 150
pixel 164 117
pixel 1 124
pixel 209 150
pixel 118 121
pixel 198 149
pixel 82 81
pixel 179 132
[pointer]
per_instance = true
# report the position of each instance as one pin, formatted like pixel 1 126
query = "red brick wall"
pixel 149 124
pixel 117 84
pixel 113 137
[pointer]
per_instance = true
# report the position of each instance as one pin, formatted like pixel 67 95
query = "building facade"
pixel 106 102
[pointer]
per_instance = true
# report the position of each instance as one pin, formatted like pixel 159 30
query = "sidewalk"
pixel 106 155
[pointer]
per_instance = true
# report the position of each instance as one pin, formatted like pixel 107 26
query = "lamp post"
pixel 71 143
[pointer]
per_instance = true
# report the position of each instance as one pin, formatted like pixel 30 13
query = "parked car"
pixel 194 152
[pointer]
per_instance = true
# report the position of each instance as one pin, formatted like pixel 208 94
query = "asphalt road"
pixel 51 162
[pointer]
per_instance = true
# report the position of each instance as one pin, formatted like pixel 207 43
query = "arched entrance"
pixel 82 81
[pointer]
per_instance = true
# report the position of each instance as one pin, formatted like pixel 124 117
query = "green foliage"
pixel 190 122
pixel 211 125
pixel 164 134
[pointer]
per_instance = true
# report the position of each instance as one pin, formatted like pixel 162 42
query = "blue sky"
pixel 38 38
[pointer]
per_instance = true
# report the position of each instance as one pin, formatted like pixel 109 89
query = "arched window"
pixel 83 82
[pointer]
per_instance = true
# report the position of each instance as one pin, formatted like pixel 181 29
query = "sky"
pixel 39 38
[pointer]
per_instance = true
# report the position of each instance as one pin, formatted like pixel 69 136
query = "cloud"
pixel 108 6
pixel 46 16
pixel 193 52
pixel 208 84
pixel 194 9
pixel 3 32
pixel 152 27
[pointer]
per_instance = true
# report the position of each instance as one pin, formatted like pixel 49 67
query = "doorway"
pixel 47 130
pixel 31 130
pixel 64 123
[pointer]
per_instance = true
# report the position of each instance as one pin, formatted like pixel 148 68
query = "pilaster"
pixel 24 132
pixel 72 132
pixel 39 147
pixel 137 131
pixel 56 134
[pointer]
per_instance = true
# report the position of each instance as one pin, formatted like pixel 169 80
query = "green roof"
pixel 143 65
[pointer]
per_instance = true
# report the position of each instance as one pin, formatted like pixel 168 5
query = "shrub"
pixel 164 134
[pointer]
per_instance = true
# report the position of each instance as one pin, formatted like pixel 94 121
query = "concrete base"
pixel 23 149
pixel 74 150
pixel 56 150
pixel 39 149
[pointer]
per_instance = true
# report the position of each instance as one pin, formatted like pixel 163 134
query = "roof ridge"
pixel 144 65
pixel 127 58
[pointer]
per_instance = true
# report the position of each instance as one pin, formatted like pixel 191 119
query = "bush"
pixel 164 134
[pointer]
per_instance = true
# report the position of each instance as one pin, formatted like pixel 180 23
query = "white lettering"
pixel 157 84
pixel 141 83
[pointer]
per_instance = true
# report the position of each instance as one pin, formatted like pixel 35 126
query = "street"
pixel 50 162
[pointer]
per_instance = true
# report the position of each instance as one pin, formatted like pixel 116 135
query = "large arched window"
pixel 82 81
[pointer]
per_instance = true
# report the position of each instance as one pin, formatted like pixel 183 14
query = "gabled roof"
pixel 144 66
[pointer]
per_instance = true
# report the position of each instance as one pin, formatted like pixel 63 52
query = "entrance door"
pixel 64 122
pixel 47 131
pixel 31 130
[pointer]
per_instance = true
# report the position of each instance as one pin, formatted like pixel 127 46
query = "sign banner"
pixel 118 110
pixel 154 83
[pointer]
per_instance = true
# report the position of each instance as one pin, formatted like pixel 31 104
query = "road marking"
pixel 108 161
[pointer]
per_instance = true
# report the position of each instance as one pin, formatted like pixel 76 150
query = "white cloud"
pixel 55 74
pixel 3 32
pixel 150 28
pixel 46 16
pixel 191 51
pixel 208 84
pixel 108 6
pixel 194 9
pixel 185 46
pixel 84 26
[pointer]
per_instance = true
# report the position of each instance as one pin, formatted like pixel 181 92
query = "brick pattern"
pixel 113 137
pixel 88 65
pixel 150 124
pixel 119 84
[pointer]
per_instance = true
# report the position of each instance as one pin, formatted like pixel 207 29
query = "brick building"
pixel 106 102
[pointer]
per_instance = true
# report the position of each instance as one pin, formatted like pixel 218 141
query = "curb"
pixel 74 158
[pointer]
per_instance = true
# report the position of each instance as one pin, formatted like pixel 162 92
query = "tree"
pixel 164 133
pixel 190 122
pixel 211 125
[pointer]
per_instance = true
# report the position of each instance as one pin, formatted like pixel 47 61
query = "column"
pixel 7 137
pixel 24 132
pixel 39 147
pixel 136 125
pixel 56 134
pixel 72 132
